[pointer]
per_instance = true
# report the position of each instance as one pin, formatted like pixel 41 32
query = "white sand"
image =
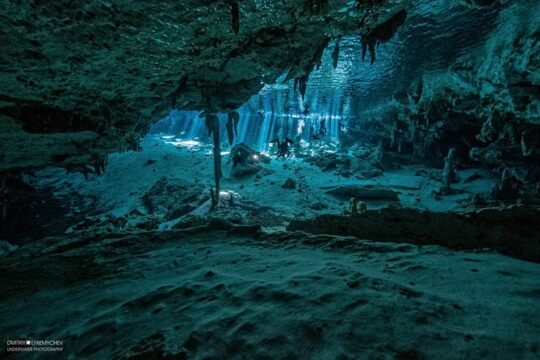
pixel 213 296
pixel 127 178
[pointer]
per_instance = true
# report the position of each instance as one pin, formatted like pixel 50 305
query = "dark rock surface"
pixel 486 105
pixel 512 231
pixel 207 292
pixel 245 161
pixel 172 198
pixel 363 192
pixel 81 79
pixel 27 211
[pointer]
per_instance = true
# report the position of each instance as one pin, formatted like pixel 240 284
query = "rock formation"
pixel 245 161
pixel 170 199
pixel 382 33
pixel 212 124
pixel 486 105
pixel 82 79
pixel 511 231
pixel 449 172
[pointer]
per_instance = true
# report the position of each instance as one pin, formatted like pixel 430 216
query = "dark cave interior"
pixel 270 179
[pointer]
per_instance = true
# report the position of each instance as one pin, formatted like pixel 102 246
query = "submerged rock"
pixel 171 198
pixel 245 161
pixel 83 79
pixel 356 206
pixel 363 193
pixel 513 231
pixel 380 159
pixel 6 248
pixel 449 172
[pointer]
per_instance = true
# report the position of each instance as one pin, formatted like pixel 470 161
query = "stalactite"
pixel 335 54
pixel 303 84
pixel 212 124
pixel 317 57
pixel 230 132
pixel 232 125
pixel 449 172
pixel 300 82
pixel 381 34
pixel 371 46
pixel 236 119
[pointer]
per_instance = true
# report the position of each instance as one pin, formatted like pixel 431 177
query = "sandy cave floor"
pixel 219 296
pixel 176 294
pixel 129 176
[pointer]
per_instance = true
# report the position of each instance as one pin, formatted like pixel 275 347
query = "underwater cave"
pixel 270 179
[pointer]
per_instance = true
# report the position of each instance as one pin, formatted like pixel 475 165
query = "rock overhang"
pixel 110 69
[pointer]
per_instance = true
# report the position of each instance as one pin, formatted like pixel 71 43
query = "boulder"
pixel 172 198
pixel 363 193
pixel 512 231
pixel 245 161
pixel 356 206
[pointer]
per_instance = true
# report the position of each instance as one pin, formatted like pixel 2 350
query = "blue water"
pixel 433 36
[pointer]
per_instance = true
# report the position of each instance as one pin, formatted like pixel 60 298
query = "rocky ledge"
pixel 511 231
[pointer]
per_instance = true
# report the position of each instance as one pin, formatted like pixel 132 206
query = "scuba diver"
pixel 321 131
pixel 322 128
pixel 283 147
pixel 238 159
pixel 282 142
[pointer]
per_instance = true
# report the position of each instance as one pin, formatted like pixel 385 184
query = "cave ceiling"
pixel 435 34
pixel 81 79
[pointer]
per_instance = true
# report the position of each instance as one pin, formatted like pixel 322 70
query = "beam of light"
pixel 184 143
pixel 300 127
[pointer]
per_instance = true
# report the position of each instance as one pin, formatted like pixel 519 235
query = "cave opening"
pixel 270 179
